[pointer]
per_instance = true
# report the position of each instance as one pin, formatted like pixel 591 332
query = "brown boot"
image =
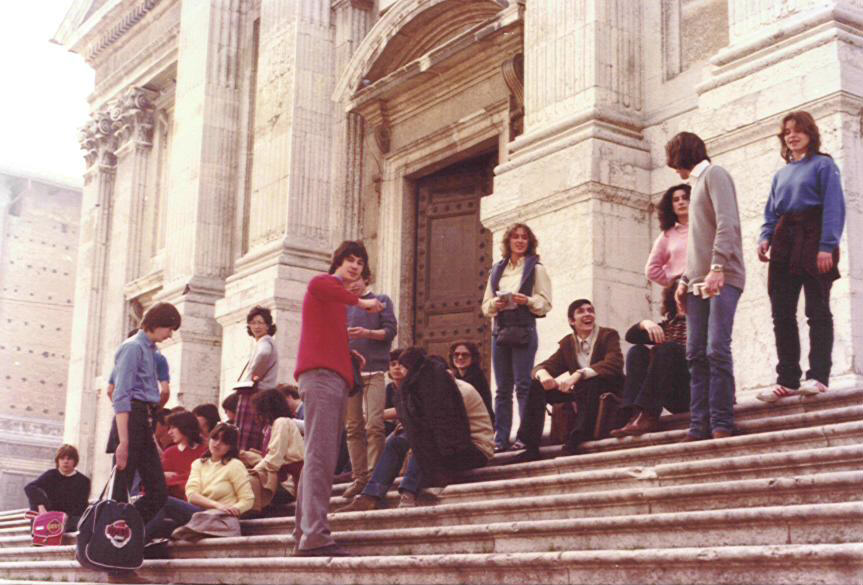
pixel 644 423
pixel 360 504
pixel 621 432
pixel 355 489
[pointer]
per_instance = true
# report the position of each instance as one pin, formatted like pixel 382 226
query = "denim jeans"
pixel 175 510
pixel 709 323
pixel 388 467
pixel 512 366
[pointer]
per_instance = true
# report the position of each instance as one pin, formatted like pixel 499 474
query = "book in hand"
pixel 244 386
pixel 507 298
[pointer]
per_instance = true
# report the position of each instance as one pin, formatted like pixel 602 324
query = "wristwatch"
pixel 716 268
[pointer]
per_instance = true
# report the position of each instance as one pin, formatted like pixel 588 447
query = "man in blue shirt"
pixel 136 395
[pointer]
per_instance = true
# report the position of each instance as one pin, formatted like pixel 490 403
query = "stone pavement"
pixel 782 503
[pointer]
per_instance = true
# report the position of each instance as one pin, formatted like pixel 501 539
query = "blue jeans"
pixel 174 513
pixel 512 366
pixel 711 368
pixel 389 465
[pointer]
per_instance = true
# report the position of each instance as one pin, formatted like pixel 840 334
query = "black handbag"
pixel 110 534
pixel 358 384
pixel 513 336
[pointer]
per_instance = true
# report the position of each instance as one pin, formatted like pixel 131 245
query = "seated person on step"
pixel 454 433
pixel 218 480
pixel 229 405
pixel 61 489
pixel 275 476
pixel 658 376
pixel 587 364
pixel 178 458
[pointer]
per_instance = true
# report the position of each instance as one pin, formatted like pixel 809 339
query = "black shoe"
pixel 331 550
pixel 528 455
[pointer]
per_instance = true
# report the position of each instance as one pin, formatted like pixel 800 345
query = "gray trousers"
pixel 324 395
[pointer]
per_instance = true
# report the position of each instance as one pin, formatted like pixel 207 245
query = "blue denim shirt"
pixel 163 370
pixel 135 373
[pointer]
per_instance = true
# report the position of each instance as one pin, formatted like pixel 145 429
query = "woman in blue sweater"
pixel 803 222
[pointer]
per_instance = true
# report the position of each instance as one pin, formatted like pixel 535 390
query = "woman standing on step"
pixel 803 221
pixel 217 481
pixel 260 373
pixel 518 292
pixel 667 259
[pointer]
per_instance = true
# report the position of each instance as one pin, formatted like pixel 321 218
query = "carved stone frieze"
pixel 133 116
pixel 116 32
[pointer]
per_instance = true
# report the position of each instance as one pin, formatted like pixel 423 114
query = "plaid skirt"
pixel 251 430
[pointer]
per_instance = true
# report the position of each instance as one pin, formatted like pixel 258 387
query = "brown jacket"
pixel 606 359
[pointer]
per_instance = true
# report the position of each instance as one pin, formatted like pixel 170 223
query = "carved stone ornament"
pixel 375 115
pixel 133 116
pixel 98 140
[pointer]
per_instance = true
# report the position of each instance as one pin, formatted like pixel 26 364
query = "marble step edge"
pixel 839 486
pixel 770 564
pixel 561 534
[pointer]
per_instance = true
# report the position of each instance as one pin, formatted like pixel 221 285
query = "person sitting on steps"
pixel 658 376
pixel 587 364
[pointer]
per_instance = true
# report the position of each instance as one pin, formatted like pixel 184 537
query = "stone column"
pixel 353 19
pixel 291 201
pixel 579 173
pixel 200 208
pixel 84 382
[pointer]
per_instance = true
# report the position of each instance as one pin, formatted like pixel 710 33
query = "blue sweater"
pixel 377 353
pixel 800 185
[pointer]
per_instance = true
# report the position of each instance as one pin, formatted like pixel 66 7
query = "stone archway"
pixel 429 86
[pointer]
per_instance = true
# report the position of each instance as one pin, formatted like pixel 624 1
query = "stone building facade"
pixel 233 143
pixel 38 248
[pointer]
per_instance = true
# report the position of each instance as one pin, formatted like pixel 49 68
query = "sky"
pixel 43 101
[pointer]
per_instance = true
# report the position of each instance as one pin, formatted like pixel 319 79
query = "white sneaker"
pixel 812 387
pixel 775 393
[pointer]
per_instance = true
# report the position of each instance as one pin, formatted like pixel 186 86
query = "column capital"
pixel 133 118
pixel 98 140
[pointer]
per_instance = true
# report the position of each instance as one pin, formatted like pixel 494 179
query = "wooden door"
pixel 453 258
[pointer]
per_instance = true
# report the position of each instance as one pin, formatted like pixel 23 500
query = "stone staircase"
pixel 780 503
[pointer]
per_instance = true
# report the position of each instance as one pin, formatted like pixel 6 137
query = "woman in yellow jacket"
pixel 218 480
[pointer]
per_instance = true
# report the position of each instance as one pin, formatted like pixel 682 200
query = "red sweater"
pixel 324 332
pixel 180 462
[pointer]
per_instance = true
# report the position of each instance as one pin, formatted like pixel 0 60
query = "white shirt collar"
pixel 699 168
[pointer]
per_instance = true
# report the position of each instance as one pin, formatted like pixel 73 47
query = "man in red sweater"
pixel 325 375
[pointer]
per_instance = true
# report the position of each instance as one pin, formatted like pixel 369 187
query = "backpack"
pixel 48 529
pixel 110 534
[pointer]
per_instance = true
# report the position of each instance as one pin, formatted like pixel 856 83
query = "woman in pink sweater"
pixel 667 259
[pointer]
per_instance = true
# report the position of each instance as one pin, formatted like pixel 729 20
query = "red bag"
pixel 48 529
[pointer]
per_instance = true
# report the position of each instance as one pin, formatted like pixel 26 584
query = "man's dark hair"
pixel 395 354
pixel 66 450
pixel 161 416
pixel 178 408
pixel 669 305
pixel 231 402
pixel 161 315
pixel 270 405
pixel 228 434
pixel 411 357
pixel 210 412
pixel 289 390
pixel 266 315
pixel 665 207
pixel 574 305
pixel 685 150
pixel 351 248
pixel 187 424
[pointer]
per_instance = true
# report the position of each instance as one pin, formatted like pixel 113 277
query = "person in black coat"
pixel 464 361
pixel 62 489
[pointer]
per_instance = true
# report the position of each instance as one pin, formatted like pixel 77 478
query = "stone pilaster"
pixel 290 207
pixel 200 209
pixel 580 171
pixel 85 378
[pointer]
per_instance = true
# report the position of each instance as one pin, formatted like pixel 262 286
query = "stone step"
pixel 839 434
pixel 832 487
pixel 806 524
pixel 774 564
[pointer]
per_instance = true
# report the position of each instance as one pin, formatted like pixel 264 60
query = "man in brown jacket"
pixel 587 364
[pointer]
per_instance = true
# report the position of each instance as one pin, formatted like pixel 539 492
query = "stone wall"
pixel 38 250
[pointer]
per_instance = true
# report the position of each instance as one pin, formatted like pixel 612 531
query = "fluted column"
pixel 99 143
pixel 203 180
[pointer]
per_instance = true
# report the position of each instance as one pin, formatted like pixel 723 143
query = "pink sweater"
pixel 667 259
